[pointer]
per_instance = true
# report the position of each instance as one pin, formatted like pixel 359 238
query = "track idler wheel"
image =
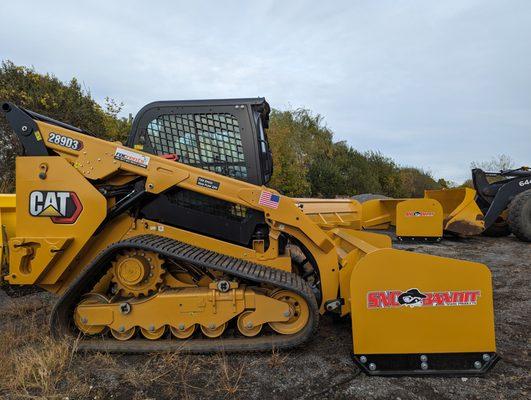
pixel 213 331
pixel 153 334
pixel 183 333
pixel 247 328
pixel 82 325
pixel 299 313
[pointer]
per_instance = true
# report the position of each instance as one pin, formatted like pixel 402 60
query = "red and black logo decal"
pixel 60 207
pixel 420 213
pixel 415 298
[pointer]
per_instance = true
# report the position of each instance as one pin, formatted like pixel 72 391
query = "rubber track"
pixel 61 318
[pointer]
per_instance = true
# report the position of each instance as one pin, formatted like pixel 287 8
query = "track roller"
pixel 153 334
pixel 247 329
pixel 125 335
pixel 183 333
pixel 213 331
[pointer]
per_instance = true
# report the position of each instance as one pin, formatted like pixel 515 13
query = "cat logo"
pixel 60 207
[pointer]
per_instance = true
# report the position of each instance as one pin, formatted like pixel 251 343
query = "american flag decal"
pixel 269 199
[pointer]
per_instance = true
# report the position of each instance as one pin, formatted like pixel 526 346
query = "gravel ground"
pixel 323 368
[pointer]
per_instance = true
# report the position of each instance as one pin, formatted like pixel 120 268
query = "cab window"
pixel 210 141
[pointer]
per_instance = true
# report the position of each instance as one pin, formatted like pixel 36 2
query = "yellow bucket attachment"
pixel 419 218
pixel 461 213
pixel 379 213
pixel 412 218
pixel 332 213
pixel 416 313
pixel 452 210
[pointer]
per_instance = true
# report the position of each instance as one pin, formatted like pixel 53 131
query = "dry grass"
pixel 229 377
pixel 34 366
pixel 277 359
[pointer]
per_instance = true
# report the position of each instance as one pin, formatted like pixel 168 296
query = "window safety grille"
pixel 205 204
pixel 209 141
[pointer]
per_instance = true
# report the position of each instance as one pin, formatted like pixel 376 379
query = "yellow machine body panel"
pixel 8 222
pixel 402 301
pixel 56 216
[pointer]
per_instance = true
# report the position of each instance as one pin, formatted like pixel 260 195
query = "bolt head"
pixel 372 366
pixel 287 314
pixel 424 365
pixel 181 327
pixel 223 286
pixel 24 128
pixel 125 308
pixel 477 365
pixel 212 326
pixel 424 358
pixel 121 329
pixel 84 320
pixel 249 325
pixel 363 359
pixel 486 357
pixel 151 328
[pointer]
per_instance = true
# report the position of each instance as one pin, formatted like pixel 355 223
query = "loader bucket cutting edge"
pixel 461 213
pixel 420 314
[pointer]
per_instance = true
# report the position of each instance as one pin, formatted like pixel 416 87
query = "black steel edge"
pixel 450 372
pixel 424 239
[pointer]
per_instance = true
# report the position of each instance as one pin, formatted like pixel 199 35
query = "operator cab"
pixel 223 136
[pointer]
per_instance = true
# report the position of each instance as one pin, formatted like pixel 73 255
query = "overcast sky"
pixel 432 84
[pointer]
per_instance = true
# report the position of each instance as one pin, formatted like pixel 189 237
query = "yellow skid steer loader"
pixel 181 247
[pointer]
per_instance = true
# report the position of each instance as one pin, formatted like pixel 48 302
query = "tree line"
pixel 307 161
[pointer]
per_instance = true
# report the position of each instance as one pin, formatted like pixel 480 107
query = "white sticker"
pixel 131 157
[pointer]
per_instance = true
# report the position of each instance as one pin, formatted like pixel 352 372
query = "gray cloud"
pixel 431 84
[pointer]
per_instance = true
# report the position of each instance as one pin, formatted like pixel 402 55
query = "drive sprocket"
pixel 137 273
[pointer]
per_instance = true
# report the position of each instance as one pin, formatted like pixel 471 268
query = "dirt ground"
pixel 33 366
